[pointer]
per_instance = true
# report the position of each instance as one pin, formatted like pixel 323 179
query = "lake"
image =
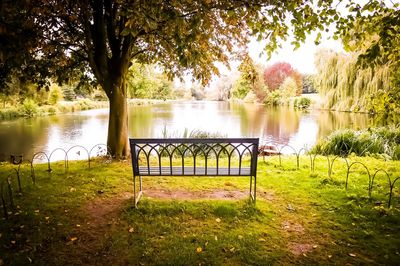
pixel 283 125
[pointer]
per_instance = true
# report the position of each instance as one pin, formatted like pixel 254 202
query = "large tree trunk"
pixel 117 140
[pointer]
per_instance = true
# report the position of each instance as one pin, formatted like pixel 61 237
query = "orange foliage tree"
pixel 276 74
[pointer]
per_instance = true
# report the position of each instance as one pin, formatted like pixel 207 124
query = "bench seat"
pixel 193 171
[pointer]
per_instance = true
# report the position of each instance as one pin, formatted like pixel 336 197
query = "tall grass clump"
pixel 383 141
pixel 194 134
pixel 10 113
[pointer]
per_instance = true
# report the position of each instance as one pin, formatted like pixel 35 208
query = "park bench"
pixel 194 157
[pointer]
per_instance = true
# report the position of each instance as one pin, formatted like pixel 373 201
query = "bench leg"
pixel 139 195
pixel 253 188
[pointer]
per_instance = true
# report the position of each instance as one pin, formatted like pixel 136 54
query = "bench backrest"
pixel 180 156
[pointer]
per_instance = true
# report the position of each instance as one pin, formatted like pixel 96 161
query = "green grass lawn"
pixel 86 216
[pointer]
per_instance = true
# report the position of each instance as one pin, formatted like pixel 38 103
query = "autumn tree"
pixel 98 39
pixel 275 75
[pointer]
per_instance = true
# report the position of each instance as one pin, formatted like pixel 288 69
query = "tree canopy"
pixel 372 30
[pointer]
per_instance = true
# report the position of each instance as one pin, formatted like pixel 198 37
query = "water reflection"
pixel 88 128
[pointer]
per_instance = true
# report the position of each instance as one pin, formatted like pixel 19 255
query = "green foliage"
pixel 249 86
pixel 30 108
pixel 195 133
pixel 10 113
pixel 384 140
pixel 274 98
pixel 346 86
pixel 241 88
pixel 282 96
pixel 146 82
pixel 371 29
pixel 302 103
pixel 68 93
pixel 55 95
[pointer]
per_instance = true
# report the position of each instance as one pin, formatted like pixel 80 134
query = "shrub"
pixel 384 140
pixel 274 98
pixel 63 108
pixel 55 95
pixel 30 108
pixel 302 103
pixel 240 88
pixel 85 104
pixel 51 110
pixel 68 93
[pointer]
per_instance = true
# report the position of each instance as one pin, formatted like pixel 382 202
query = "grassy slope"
pixel 85 216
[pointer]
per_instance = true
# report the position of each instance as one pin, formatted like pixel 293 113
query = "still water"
pixel 88 128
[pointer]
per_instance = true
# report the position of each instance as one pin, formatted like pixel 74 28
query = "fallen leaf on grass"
pixel 74 238
pixel 131 230
pixel 199 249
pixel 37 211
pixel 352 255
pixel 218 220
pixel 72 189
pixel 290 208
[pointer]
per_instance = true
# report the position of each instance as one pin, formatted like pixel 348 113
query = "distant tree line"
pixel 274 84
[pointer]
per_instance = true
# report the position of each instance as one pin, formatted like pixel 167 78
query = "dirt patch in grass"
pixel 102 210
pixel 187 194
pixel 300 248
pixel 267 195
pixel 292 227
pixel 98 220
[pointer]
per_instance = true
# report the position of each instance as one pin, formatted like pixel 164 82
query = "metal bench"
pixel 194 157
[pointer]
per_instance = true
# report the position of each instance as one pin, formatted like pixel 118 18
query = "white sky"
pixel 301 59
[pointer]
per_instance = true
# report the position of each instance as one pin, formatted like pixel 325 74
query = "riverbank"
pixel 31 109
pixel 302 217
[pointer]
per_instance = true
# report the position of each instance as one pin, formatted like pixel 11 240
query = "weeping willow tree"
pixel 346 86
